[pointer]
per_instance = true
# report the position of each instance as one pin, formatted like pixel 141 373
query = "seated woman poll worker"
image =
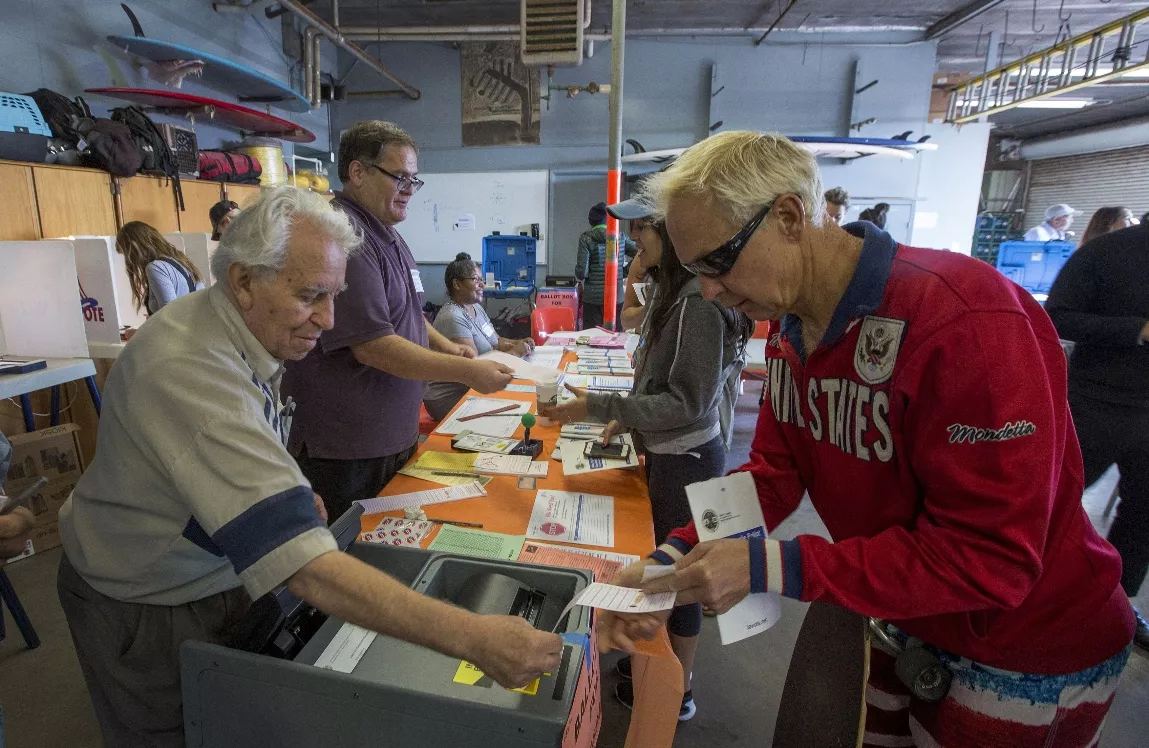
pixel 463 320
pixel 920 398
pixel 182 520
pixel 681 407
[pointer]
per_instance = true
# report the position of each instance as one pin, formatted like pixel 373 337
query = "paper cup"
pixel 546 394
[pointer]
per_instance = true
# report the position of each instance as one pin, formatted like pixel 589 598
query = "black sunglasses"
pixel 721 261
pixel 403 183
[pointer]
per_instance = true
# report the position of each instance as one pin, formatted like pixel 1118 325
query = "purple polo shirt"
pixel 344 409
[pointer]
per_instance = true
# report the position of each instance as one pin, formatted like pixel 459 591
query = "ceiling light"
pixel 1055 104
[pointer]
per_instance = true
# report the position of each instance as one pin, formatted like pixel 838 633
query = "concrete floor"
pixel 737 688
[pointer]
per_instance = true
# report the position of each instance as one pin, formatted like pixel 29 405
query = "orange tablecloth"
pixel 507 509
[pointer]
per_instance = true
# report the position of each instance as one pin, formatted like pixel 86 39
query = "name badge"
pixel 417 280
pixel 488 330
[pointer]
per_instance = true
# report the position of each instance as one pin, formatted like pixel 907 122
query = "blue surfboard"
pixel 246 84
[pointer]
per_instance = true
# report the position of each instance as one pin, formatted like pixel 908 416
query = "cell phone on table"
pixel 607 452
pixel 8 504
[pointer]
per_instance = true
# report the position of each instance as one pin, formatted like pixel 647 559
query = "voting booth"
pixel 308 680
pixel 199 248
pixel 39 317
pixel 105 290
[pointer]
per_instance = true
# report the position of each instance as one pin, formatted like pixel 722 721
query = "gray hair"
pixel 257 238
pixel 740 171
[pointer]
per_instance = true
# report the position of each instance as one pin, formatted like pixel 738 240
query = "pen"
pixel 457 473
pixel 455 522
pixel 489 412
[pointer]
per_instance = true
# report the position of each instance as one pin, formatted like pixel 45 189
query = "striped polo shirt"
pixel 192 491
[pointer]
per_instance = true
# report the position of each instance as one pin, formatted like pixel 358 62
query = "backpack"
pixel 109 146
pixel 157 155
pixel 61 114
pixel 222 166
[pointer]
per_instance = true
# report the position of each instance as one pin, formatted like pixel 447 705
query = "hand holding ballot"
pixel 511 651
pixel 715 573
pixel 621 630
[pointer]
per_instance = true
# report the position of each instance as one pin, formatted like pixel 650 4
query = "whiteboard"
pixel 453 212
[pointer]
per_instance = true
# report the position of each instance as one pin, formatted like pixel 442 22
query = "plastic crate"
pixel 1033 265
pixel 21 114
pixel 511 259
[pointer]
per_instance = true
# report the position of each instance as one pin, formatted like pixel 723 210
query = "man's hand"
pixel 320 506
pixel 716 573
pixel 14 530
pixel 465 351
pixel 570 411
pixel 511 651
pixel 620 630
pixel 488 376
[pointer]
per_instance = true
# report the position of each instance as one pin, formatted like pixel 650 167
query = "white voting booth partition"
pixel 105 291
pixel 38 312
pixel 199 248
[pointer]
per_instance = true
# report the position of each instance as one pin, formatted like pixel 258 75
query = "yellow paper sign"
pixel 445 461
pixel 471 675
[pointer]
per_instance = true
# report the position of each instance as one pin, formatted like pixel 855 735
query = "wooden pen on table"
pixel 503 409
pixel 456 522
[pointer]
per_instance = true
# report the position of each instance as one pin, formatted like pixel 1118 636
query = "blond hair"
pixel 740 171
pixel 140 244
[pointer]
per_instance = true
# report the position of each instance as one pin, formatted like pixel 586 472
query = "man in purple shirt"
pixel 358 393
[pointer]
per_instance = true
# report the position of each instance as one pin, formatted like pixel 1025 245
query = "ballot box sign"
pixel 585 719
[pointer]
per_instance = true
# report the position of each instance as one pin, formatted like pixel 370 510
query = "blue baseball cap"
pixel 630 210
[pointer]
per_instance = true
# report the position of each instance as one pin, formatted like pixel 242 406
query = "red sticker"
pixel 552 528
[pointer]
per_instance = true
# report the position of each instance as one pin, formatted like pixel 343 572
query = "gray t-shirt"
pixel 166 284
pixel 456 323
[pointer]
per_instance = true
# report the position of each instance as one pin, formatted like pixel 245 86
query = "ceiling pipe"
pixel 309 63
pixel 1129 134
pixel 296 8
pixel 961 16
pixel 364 32
pixel 606 37
pixel 458 38
pixel 316 68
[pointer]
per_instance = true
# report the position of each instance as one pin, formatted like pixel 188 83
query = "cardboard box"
pixel 53 453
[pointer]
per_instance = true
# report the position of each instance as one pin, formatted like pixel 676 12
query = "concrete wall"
pixel 52 43
pixel 794 89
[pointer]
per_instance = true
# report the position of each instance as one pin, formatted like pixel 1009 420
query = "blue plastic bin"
pixel 1033 265
pixel 511 259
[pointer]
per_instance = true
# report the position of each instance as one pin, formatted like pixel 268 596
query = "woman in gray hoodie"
pixel 687 366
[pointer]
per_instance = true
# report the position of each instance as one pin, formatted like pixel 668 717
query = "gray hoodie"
pixel 685 384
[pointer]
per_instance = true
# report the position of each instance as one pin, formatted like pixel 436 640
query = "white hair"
pixel 740 171
pixel 257 237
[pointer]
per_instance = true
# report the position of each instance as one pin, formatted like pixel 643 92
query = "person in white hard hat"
pixel 1058 219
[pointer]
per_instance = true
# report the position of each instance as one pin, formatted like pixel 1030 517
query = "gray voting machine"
pixel 265 690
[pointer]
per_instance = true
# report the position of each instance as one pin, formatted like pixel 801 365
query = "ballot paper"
pixel 573 517
pixel 540 553
pixel 561 443
pixel 576 462
pixel 582 429
pixel 617 341
pixel 728 507
pixel 501 424
pixel 547 356
pixel 620 369
pixel 600 382
pixel 421 498
pixel 472 442
pixel 626 559
pixel 523 369
pixel 510 465
pixel 478 543
pixel 346 649
pixel 619 599
pixel 520 388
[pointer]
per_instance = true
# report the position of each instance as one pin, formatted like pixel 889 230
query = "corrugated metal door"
pixel 1089 182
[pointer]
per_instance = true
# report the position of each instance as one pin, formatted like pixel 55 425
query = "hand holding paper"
pixel 715 573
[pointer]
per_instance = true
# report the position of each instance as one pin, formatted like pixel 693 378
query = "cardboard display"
pixel 55 454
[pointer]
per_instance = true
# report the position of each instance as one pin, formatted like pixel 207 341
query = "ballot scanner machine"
pixel 265 689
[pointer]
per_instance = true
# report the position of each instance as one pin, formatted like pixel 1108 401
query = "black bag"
pixel 222 166
pixel 157 156
pixel 110 146
pixel 62 115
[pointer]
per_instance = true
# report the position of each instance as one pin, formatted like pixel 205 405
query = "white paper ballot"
pixel 421 498
pixel 728 507
pixel 570 517
pixel 346 648
pixel 619 599
pixel 522 369
pixel 497 464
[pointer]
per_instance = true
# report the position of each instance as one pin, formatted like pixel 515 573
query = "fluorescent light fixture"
pixel 1055 104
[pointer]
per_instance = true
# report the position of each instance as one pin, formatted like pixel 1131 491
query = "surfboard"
pixel 218 112
pixel 245 83
pixel 821 147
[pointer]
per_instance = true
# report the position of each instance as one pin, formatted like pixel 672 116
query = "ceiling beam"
pixel 961 16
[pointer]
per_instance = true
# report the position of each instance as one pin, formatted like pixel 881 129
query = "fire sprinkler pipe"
pixel 614 173
pixel 313 21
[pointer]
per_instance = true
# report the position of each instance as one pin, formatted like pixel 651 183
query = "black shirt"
pixel 1100 301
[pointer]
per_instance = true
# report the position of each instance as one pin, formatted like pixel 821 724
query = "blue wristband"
pixel 757 564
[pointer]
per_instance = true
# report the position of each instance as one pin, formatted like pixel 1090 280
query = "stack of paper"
pixel 582 430
pixel 472 442
pixel 477 543
pixel 609 341
pixel 421 498
pixel 432 460
pixel 539 553
pixel 445 478
pixel 547 356
pixel 576 461
pixel 510 465
pixel 500 424
pixel 626 559
pixel 573 517
pixel 524 369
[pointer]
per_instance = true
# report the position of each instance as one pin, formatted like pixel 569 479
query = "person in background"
pixel 919 397
pixel 359 393
pixel 221 214
pixel 837 203
pixel 1058 219
pixel 1100 301
pixel 192 507
pixel 642 234
pixel 1106 220
pixel 690 355
pixel 876 215
pixel 463 320
pixel 159 272
pixel 590 269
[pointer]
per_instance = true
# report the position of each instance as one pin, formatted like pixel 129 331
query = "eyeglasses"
pixel 414 184
pixel 721 261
